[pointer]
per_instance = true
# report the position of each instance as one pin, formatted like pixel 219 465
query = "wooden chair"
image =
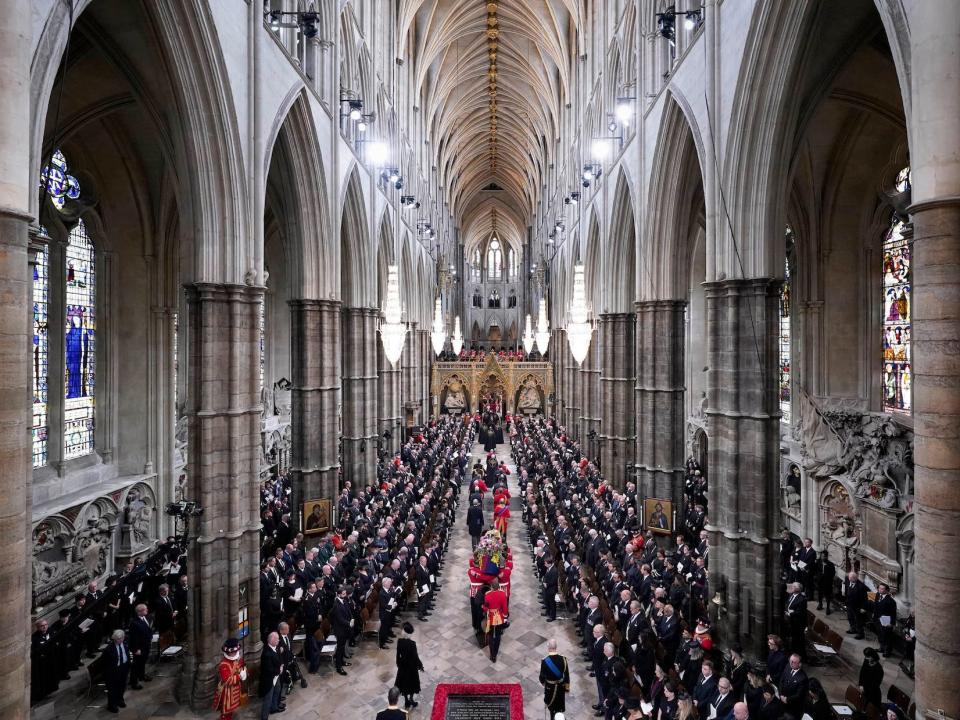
pixel 853 698
pixel 898 697
pixel 370 627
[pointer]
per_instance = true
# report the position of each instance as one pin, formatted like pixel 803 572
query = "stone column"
pixel 590 398
pixel 743 458
pixel 389 413
pixel 617 380
pixel 426 362
pixel 17 181
pixel 315 396
pixel 573 385
pixel 359 395
pixel 659 399
pixel 408 370
pixel 555 357
pixel 935 164
pixel 223 410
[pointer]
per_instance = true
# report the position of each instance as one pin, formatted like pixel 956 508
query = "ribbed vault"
pixel 491 78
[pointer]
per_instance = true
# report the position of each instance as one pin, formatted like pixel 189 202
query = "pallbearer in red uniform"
pixel 233 675
pixel 496 612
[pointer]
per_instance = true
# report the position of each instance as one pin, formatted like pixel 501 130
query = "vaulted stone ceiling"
pixel 492 76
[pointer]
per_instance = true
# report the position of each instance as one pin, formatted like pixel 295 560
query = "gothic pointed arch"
pixel 296 185
pixel 355 267
pixel 675 184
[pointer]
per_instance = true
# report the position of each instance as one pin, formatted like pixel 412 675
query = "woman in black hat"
pixel 408 666
pixel 871 676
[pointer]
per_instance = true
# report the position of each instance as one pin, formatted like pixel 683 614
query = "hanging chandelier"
pixel 392 330
pixel 457 340
pixel 579 328
pixel 543 328
pixel 528 337
pixel 439 334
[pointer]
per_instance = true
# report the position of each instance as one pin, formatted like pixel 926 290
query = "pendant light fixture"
pixel 392 330
pixel 579 328
pixel 439 334
pixel 457 340
pixel 543 328
pixel 528 337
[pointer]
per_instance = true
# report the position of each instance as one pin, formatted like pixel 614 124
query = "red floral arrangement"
pixel 444 690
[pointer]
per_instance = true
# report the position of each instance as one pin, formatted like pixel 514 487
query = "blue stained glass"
pixel 79 345
pixel 60 185
pixel 40 358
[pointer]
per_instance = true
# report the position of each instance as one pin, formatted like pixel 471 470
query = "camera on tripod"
pixel 185 509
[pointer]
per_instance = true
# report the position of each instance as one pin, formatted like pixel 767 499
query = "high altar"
pixel 520 387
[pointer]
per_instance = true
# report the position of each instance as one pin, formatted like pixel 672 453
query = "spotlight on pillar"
pixel 308 23
pixel 579 329
pixel 624 110
pixel 392 330
pixel 457 340
pixel 543 328
pixel 439 335
pixel 377 154
pixel 356 109
pixel 528 337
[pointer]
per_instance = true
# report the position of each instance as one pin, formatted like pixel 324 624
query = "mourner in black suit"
pixel 116 668
pixel 141 635
pixel 271 667
pixel 795 611
pixel 885 617
pixel 475 522
pixel 341 619
pixel 551 587
pixel 826 573
pixel 793 686
pixel 855 593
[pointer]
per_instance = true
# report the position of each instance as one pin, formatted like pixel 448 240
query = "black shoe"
pixel 346 664
pixel 550 619
pixel 147 678
pixel 281 707
pixel 828 611
pixel 593 674
pixel 112 709
pixel 352 643
pixel 858 637
pixel 851 632
pixel 303 683
pixel 138 686
pixel 819 607
pixel 383 646
pixel 598 706
pixel 341 671
pixel 122 703
pixel 414 703
pixel 493 659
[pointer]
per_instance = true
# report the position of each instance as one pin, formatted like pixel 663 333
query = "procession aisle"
pixel 447 645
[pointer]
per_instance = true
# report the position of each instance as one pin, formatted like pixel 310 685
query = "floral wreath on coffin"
pixel 491 553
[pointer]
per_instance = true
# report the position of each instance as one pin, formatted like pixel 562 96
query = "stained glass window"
pixel 494 260
pixel 61 186
pixel 897 308
pixel 785 337
pixel 40 348
pixel 79 345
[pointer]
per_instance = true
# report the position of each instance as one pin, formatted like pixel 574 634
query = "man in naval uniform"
pixel 555 678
